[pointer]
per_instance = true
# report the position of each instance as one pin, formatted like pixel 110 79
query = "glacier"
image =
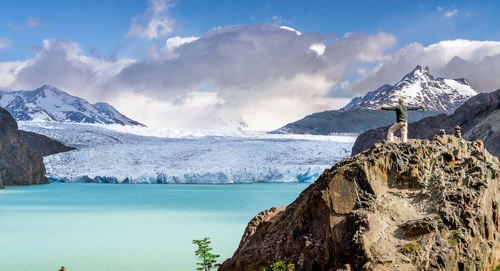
pixel 135 154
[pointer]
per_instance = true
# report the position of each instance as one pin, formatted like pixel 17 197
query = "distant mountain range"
pixel 419 87
pixel 48 103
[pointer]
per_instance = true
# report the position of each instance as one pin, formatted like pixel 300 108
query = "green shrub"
pixel 208 260
pixel 280 266
pixel 410 248
pixel 497 268
pixel 454 237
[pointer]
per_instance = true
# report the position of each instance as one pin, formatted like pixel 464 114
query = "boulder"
pixel 423 205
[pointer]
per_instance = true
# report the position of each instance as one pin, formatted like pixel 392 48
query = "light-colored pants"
pixel 398 125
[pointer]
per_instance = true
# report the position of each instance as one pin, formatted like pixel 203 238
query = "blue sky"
pixel 103 25
pixel 233 64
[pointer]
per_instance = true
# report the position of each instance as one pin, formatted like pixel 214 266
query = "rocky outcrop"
pixel 424 205
pixel 479 118
pixel 42 144
pixel 18 165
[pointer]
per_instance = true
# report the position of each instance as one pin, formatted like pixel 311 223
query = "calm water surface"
pixel 93 227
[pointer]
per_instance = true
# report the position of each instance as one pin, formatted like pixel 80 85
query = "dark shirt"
pixel 401 111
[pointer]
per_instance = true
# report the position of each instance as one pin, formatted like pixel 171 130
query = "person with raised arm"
pixel 401 119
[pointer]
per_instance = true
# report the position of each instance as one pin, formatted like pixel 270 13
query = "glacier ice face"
pixel 132 154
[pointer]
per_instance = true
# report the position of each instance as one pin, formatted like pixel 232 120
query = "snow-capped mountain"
pixel 51 104
pixel 418 87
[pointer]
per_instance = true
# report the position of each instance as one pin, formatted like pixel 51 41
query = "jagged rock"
pixel 478 118
pixel 424 205
pixel 18 165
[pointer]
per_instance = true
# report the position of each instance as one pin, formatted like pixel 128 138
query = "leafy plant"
pixel 410 248
pixel 496 268
pixel 208 260
pixel 454 237
pixel 280 266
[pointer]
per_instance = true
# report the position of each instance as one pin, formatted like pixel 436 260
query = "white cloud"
pixel 63 65
pixel 450 13
pixel 154 23
pixel 477 61
pixel 9 71
pixel 32 22
pixel 260 75
pixel 5 43
pixel 177 41
pixel 447 13
pixel 291 29
pixel 319 48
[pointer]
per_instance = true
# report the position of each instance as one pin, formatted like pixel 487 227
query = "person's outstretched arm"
pixel 415 107
pixel 392 108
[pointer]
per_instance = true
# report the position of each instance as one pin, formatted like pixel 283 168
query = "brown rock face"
pixel 18 165
pixel 425 205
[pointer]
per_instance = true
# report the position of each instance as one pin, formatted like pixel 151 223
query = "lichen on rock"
pixel 363 212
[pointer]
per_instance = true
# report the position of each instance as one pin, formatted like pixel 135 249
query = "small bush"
pixel 208 260
pixel 497 268
pixel 280 266
pixel 410 248
pixel 454 237
pixel 437 217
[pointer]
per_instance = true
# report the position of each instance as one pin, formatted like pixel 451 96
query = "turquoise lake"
pixel 93 227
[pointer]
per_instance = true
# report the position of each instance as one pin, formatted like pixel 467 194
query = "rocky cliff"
pixel 18 165
pixel 425 205
pixel 479 118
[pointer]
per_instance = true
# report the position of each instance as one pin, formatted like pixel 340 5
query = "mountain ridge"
pixel 418 87
pixel 48 103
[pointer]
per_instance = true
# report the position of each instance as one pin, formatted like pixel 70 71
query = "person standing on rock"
pixel 401 119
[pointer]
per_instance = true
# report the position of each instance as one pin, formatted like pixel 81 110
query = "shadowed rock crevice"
pixel 428 204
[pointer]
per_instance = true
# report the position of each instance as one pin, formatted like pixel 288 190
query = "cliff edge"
pixel 424 205
pixel 18 165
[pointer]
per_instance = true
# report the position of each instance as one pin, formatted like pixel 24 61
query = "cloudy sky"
pixel 240 64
